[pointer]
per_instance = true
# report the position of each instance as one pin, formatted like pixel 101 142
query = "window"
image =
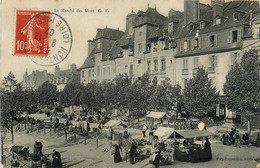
pixel 196 43
pixel 212 63
pixel 155 63
pixel 171 61
pixel 89 73
pixel 82 74
pixel 234 36
pixel 235 16
pixel 108 70
pixel 185 67
pixel 93 74
pixel 98 44
pixel 202 25
pixel 139 48
pixel 163 64
pixel 140 33
pixel 170 27
pixel 234 59
pixel 218 21
pixel 139 61
pixel 98 70
pixel 104 71
pixel 191 27
pixel 185 45
pixel 212 79
pixel 195 65
pixel 126 69
pixel 131 69
pixel 149 66
pixel 185 81
pixel 212 40
pixel 196 62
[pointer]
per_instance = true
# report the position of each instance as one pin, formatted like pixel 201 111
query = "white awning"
pixel 157 115
pixel 113 123
pixel 164 131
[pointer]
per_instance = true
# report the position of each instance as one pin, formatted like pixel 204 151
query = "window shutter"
pixel 229 36
pixel 192 44
pixel 216 60
pixel 207 41
pixel 216 41
pixel 239 35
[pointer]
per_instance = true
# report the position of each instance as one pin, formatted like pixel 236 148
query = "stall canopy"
pixel 114 123
pixel 157 115
pixel 190 134
pixel 164 131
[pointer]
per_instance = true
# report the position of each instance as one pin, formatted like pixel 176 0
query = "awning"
pixel 157 115
pixel 113 123
pixel 164 131
pixel 191 134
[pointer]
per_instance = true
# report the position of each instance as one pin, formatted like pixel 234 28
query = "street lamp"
pixel 3 135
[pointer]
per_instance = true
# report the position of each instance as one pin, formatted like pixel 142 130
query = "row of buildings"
pixel 213 36
pixel 60 78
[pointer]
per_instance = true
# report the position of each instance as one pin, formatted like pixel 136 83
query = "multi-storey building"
pixel 35 79
pixel 213 36
pixel 60 78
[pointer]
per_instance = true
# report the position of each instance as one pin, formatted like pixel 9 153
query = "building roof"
pixel 151 16
pixel 126 40
pixel 109 33
pixel 89 61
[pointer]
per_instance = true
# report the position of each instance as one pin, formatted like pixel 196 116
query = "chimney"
pixel 217 8
pixel 191 11
pixel 130 19
pixel 250 17
pixel 172 13
pixel 91 46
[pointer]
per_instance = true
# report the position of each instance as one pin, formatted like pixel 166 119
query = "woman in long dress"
pixel 117 156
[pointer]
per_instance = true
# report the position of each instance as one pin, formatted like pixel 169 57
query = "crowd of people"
pixel 234 138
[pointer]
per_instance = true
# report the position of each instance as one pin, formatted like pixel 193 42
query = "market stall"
pixel 154 119
pixel 193 152
pixel 114 128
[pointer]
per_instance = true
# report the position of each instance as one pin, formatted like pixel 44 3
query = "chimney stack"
pixel 191 11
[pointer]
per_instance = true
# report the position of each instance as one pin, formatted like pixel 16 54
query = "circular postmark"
pixel 58 43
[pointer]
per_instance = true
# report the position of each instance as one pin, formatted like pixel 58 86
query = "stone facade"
pixel 213 36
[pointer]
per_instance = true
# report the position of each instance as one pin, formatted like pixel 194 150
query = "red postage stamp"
pixel 32 33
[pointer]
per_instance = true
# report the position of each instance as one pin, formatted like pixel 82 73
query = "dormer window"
pixel 191 27
pixel 202 25
pixel 170 27
pixel 235 16
pixel 218 21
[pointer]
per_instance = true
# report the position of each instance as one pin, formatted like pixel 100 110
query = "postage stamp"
pixel 43 35
pixel 31 34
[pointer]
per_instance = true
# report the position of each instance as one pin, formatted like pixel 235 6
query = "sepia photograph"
pixel 130 83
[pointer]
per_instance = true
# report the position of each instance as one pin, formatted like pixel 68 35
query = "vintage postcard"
pixel 130 83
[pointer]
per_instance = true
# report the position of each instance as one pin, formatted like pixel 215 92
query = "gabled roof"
pixel 109 33
pixel 157 115
pixel 151 16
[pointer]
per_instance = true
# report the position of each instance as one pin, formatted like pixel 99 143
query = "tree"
pixel 242 86
pixel 166 96
pixel 70 95
pixel 200 95
pixel 139 96
pixel 11 103
pixel 47 94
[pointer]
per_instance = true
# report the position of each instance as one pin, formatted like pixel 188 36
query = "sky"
pixel 83 26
